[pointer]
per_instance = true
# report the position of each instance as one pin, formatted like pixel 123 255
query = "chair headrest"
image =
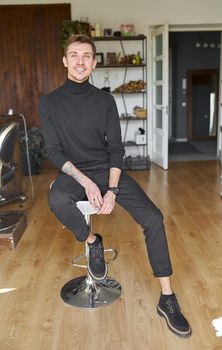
pixel 8 134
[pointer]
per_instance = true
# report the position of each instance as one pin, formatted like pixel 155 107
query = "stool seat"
pixel 86 208
pixel 84 291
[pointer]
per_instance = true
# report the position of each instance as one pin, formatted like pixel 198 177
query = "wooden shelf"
pixel 128 93
pixel 129 143
pixel 131 118
pixel 133 143
pixel 119 38
pixel 120 65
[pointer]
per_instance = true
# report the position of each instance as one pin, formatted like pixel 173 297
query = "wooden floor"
pixel 33 316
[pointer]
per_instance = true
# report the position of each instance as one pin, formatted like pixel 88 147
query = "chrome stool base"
pixel 86 292
pixel 83 292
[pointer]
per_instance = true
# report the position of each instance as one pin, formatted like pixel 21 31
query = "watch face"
pixel 115 190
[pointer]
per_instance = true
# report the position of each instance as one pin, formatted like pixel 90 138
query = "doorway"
pixel 202 104
pixel 194 87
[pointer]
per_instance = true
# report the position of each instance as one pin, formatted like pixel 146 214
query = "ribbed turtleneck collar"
pixel 77 88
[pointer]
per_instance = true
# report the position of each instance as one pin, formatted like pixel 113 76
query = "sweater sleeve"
pixel 113 135
pixel 52 143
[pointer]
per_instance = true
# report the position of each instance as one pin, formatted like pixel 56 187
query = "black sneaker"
pixel 169 308
pixel 96 264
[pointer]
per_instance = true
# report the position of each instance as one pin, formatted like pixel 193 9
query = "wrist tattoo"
pixel 69 169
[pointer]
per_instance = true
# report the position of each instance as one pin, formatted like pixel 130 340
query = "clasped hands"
pixel 104 204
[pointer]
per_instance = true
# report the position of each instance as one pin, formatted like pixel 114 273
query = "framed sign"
pixel 100 58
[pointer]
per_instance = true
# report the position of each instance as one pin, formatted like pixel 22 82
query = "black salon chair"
pixel 8 136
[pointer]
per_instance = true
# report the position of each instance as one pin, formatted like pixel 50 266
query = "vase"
pixel 34 168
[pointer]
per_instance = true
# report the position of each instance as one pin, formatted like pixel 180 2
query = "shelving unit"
pixel 124 76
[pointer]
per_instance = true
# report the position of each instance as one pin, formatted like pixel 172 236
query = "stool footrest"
pixel 75 261
pixel 79 258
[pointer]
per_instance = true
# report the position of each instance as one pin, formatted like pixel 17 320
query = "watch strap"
pixel 114 190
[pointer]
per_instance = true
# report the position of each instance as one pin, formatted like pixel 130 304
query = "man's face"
pixel 79 62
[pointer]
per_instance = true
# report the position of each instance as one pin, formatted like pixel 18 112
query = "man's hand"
pixel 92 190
pixel 105 204
pixel 108 203
pixel 93 194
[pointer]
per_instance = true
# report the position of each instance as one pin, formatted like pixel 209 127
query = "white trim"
pixel 195 27
pixel 219 131
pixel 159 135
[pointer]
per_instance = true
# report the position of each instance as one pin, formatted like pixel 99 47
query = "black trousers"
pixel 65 192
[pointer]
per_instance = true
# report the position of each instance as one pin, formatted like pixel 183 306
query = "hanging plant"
pixel 73 27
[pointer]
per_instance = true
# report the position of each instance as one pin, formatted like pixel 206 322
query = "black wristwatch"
pixel 114 190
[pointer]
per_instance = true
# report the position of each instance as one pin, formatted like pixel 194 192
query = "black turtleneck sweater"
pixel 80 124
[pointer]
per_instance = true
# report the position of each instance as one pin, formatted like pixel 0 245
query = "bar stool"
pixel 84 291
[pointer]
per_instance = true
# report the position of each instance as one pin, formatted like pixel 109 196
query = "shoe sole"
pixel 173 329
pixel 96 277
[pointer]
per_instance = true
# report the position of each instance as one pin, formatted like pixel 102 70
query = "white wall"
pixel 110 14
pixel 140 12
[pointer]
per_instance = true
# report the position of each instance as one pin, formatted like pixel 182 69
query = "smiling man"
pixel 81 128
pixel 79 60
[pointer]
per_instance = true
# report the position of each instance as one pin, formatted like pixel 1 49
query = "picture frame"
pixel 100 58
pixel 107 32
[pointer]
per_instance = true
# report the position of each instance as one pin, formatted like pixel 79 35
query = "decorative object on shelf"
pixel 100 58
pixel 98 30
pixel 36 148
pixel 127 59
pixel 127 116
pixel 74 27
pixel 92 32
pixel 117 33
pixel 141 131
pixel 139 112
pixel 131 86
pixel 131 59
pixel 138 58
pixel 127 29
pixel 140 137
pixel 112 58
pixel 106 82
pixel 107 32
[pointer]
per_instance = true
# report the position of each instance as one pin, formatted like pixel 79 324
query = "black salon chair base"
pixel 8 222
pixel 6 198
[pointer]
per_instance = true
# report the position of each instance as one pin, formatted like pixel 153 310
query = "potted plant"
pixel 36 149
pixel 73 27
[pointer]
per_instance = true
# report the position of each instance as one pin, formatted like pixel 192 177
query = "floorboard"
pixel 33 316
